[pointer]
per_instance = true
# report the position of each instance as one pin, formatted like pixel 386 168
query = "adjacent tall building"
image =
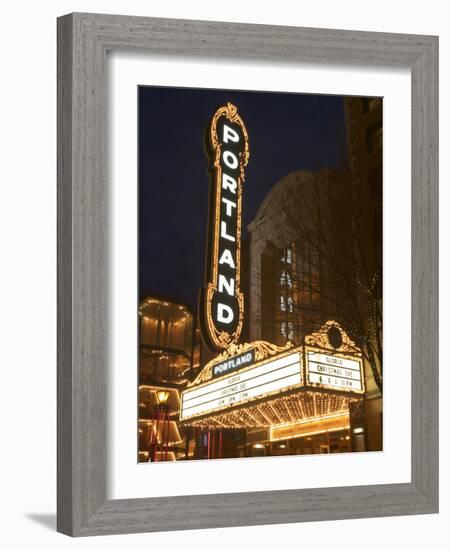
pixel 364 123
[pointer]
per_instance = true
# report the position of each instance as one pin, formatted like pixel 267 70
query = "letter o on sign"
pixel 230 160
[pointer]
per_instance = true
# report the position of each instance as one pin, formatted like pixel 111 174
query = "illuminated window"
pixel 287 256
pixel 285 279
pixel 290 303
pixel 287 330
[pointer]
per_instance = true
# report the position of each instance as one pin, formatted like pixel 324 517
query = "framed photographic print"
pixel 247 274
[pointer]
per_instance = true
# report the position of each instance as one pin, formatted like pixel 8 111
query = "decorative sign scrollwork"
pixel 331 336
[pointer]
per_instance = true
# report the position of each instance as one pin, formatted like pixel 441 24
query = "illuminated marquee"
pixel 326 370
pixel 269 377
pixel 222 301
pixel 332 371
pixel 333 361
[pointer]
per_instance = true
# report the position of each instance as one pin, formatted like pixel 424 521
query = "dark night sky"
pixel 287 132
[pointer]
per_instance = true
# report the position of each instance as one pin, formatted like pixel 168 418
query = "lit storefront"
pixel 166 360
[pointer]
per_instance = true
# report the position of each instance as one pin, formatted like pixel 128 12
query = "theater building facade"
pixel 168 358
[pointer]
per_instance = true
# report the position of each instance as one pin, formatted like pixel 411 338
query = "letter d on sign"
pixel 224 314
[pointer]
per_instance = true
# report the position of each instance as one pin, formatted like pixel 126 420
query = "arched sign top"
pixel 222 302
pixel 331 336
pixel 230 113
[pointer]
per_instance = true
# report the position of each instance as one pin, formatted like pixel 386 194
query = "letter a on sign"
pixel 222 302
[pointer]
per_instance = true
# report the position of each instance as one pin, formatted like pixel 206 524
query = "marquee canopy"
pixel 259 385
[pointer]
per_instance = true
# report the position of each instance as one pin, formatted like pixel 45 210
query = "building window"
pixel 285 279
pixel 289 301
pixel 287 256
pixel 286 296
pixel 287 330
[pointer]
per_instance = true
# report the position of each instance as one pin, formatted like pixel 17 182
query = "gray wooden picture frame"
pixel 83 41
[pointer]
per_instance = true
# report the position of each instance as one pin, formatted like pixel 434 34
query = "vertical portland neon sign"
pixel 222 301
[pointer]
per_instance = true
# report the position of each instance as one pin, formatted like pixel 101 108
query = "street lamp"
pixel 162 396
pixel 161 421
